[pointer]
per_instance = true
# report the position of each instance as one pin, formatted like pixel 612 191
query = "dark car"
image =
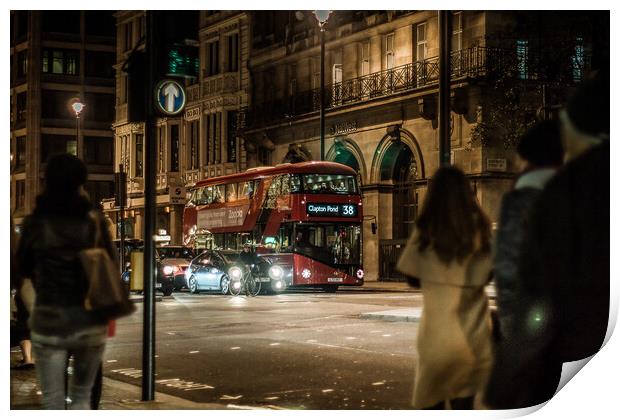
pixel 221 271
pixel 172 261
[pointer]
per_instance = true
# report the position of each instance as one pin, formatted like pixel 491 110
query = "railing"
pixel 474 62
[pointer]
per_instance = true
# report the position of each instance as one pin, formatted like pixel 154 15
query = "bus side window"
pixel 208 195
pixel 295 183
pixel 218 193
pixel 231 192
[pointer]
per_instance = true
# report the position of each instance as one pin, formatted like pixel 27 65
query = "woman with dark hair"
pixel 63 223
pixel 449 253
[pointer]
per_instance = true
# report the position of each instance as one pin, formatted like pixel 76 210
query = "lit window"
pixel 522 58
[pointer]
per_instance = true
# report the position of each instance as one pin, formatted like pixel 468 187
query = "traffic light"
pixel 136 81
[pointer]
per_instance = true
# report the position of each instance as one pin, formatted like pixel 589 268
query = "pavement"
pixel 25 394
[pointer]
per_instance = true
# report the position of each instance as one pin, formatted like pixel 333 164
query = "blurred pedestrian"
pixel 564 264
pixel 539 155
pixel 449 252
pixel 63 224
pixel 22 299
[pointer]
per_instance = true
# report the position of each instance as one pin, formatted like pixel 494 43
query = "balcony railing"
pixel 470 63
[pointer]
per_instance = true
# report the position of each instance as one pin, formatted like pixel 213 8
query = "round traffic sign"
pixel 170 97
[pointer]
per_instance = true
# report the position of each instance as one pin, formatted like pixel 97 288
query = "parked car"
pixel 172 261
pixel 214 270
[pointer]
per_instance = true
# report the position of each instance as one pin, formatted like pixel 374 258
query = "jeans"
pixel 52 355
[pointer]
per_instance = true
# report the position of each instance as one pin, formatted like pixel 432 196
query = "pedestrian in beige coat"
pixel 449 253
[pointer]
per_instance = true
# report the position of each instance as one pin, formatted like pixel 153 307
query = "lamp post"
pixel 322 16
pixel 77 107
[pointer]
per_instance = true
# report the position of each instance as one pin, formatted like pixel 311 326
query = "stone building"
pixel 200 143
pixel 58 57
pixel 381 97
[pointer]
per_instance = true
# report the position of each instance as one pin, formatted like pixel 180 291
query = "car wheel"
pixel 193 285
pixel 225 285
pixel 167 291
pixel 330 288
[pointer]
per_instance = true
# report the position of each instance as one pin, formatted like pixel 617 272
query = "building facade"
pixel 255 103
pixel 381 90
pixel 200 143
pixel 58 57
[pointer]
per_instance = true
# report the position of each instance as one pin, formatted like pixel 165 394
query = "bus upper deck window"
pixel 295 183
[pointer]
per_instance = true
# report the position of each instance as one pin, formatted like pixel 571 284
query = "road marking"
pixel 325 391
pixel 183 385
pixel 274 344
pixel 235 348
pixel 194 351
pixel 229 397
pixel 378 383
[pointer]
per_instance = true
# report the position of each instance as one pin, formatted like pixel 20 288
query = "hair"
pixel 541 145
pixel 64 175
pixel 451 221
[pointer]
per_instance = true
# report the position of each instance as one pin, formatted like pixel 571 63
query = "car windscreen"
pixel 184 253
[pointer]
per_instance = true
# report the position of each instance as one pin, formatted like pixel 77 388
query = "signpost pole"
pixel 148 331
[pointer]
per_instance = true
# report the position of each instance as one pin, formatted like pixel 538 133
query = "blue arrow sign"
pixel 170 97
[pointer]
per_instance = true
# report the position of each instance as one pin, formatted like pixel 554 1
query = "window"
pixel 139 156
pixel 522 58
pixel 52 144
pixel 233 52
pixel 22 110
pixel 578 60
pixel 316 73
pixel 456 43
pixel 60 62
pixel 213 58
pixel 330 184
pixel 389 51
pixel 193 157
pixel 99 107
pixel 161 147
pixel 20 152
pixel 421 42
pixel 99 64
pixel 292 80
pixel 98 150
pixel 128 36
pixel 218 193
pixel 20 194
pixel 213 137
pixel 232 136
pixel 330 243
pixel 337 68
pixel 98 190
pixel 245 190
pixel 231 192
pixel 22 63
pixel 365 59
pixel 174 148
pixel 124 149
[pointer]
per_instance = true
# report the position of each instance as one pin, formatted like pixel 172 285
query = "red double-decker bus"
pixel 305 217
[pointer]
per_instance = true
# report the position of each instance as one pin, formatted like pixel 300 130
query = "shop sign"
pixel 499 165
pixel 343 127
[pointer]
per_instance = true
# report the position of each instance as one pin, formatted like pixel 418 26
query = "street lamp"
pixel 322 16
pixel 77 108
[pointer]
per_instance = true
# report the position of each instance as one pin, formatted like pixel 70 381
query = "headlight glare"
pixel 235 273
pixel 276 272
pixel 168 269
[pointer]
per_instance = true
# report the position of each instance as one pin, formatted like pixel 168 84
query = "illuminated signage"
pixel 331 210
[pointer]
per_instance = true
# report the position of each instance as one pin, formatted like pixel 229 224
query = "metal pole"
pixel 148 331
pixel 77 129
pixel 444 87
pixel 322 96
pixel 121 206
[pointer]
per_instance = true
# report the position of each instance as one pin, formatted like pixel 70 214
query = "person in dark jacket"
pixel 564 263
pixel 539 155
pixel 62 224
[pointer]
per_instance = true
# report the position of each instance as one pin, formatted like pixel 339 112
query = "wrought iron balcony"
pixel 470 63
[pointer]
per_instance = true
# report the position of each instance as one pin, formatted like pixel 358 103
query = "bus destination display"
pixel 331 210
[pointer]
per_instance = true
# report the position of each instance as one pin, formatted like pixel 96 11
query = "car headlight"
pixel 167 270
pixel 235 273
pixel 276 272
pixel 306 273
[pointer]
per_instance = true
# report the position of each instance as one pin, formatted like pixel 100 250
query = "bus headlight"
pixel 360 274
pixel 235 273
pixel 276 272
pixel 278 285
pixel 168 270
pixel 306 273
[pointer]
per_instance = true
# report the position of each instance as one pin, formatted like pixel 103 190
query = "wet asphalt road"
pixel 302 350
